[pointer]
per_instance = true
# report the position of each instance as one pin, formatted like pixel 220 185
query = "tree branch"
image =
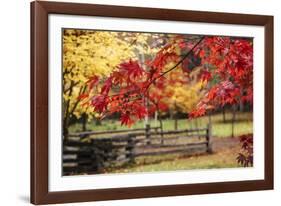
pixel 164 73
pixel 174 67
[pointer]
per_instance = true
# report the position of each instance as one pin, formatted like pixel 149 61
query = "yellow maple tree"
pixel 88 53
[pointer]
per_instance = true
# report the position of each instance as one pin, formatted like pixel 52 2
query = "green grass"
pixel 243 124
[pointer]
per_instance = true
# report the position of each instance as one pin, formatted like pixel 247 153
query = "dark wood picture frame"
pixel 39 102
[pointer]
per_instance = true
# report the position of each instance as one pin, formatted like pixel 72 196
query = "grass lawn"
pixel 243 124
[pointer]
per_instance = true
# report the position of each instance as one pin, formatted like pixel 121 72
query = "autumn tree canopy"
pixel 137 74
pixel 226 73
pixel 89 57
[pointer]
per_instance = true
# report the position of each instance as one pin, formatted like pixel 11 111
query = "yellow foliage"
pixel 88 52
pixel 186 94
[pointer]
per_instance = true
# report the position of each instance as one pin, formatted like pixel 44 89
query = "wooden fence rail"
pixel 88 133
pixel 99 153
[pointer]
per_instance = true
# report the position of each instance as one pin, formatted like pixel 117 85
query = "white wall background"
pixel 14 102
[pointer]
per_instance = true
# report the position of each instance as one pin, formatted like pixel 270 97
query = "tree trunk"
pixel 66 120
pixel 176 122
pixel 161 128
pixel 241 104
pixel 65 127
pixel 209 118
pixel 155 118
pixel 146 119
pixel 233 120
pixel 147 134
pixel 98 122
pixel 176 115
pixel 67 114
pixel 197 126
pixel 84 122
pixel 223 114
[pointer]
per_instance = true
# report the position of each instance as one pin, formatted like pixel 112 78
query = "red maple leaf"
pixel 99 103
pixel 131 68
pixel 140 111
pixel 126 119
pixel 93 81
pixel 198 112
pixel 82 96
pixel 107 86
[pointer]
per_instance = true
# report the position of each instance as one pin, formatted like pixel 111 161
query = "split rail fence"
pixel 92 152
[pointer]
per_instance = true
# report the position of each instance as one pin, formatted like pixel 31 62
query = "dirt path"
pixel 220 144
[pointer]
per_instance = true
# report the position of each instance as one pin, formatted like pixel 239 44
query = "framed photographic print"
pixel 131 102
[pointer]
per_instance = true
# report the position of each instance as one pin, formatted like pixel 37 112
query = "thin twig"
pixel 174 67
pixel 164 73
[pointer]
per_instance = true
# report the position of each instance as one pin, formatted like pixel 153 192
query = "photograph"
pixel 131 102
pixel 140 102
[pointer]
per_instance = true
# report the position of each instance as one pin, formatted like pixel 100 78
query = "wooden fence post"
pixel 130 148
pixel 209 138
pixel 147 133
pixel 98 155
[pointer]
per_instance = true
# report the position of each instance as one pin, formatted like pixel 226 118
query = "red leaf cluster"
pixel 245 157
pixel 100 102
pixel 231 61
pixel 128 89
pixel 165 55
